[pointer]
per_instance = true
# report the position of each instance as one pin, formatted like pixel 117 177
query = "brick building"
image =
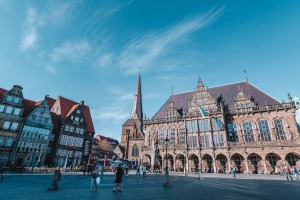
pixel 212 128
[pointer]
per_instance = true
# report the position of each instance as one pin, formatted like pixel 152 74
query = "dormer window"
pixel 72 117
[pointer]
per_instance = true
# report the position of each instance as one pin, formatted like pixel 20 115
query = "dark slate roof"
pixel 28 107
pixel 227 92
pixel 129 122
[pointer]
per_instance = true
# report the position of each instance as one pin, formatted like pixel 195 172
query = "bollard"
pixel 56 178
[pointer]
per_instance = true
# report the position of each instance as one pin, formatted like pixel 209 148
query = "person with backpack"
pixel 95 175
pixel 118 179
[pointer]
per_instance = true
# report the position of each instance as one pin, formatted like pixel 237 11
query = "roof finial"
pixel 199 77
pixel 246 75
pixel 172 89
pixel 140 68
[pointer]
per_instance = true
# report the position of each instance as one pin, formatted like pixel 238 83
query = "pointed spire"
pixel 137 109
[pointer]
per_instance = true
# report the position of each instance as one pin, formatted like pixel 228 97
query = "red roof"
pixel 66 107
pixel 101 137
pixel 28 107
pixel 2 92
pixel 227 92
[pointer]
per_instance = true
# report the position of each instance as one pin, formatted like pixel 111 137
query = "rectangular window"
pixel 190 141
pixel 33 117
pixel 67 128
pixel 76 119
pixel 218 140
pixel 8 110
pixel 16 100
pixel 191 126
pixel 2 108
pixel 40 119
pixel 77 130
pixel 9 98
pixel 279 129
pixel 232 133
pixel 217 124
pixel 17 111
pixel 71 128
pixel 6 125
pixel 81 131
pixel 182 135
pixel 14 126
pixel 248 132
pixel 78 111
pixel 264 130
pixel 172 136
pixel 161 136
pixel 46 120
pixel 207 141
pixel 203 125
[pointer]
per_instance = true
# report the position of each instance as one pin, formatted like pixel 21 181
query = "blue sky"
pixel 91 50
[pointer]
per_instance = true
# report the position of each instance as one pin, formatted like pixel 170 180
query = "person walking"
pixel 102 170
pixel 295 172
pixel 232 169
pixel 144 170
pixel 3 173
pixel 138 171
pixel 287 171
pixel 95 175
pixel 118 179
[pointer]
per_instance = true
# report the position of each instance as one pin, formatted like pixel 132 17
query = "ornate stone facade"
pixel 212 128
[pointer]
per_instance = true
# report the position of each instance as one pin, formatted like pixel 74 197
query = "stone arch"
pixel 239 162
pixel 255 163
pixel 170 162
pixel 193 163
pixel 273 162
pixel 158 165
pixel 180 162
pixel 221 163
pixel 135 150
pixel 146 160
pixel 207 163
pixel 293 159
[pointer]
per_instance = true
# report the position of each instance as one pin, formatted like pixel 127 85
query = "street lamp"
pixel 167 184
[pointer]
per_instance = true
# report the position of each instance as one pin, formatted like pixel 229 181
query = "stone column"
pixel 187 163
pixel 215 167
pixel 247 169
pixel 265 166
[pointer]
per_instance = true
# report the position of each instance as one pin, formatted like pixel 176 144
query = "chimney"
pixel 82 103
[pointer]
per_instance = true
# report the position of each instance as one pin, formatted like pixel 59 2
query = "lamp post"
pixel 167 184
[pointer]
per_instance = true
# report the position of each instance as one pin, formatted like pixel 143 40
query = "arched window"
pixel 135 151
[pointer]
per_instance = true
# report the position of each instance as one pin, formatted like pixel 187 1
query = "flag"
pixel 204 114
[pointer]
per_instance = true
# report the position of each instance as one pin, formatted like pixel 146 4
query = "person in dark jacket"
pixel 118 178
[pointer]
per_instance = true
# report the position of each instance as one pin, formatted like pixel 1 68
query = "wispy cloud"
pixel 74 52
pixel 153 48
pixel 111 114
pixel 52 70
pixel 30 26
pixel 59 13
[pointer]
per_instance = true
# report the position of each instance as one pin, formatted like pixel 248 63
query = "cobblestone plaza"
pixel 76 186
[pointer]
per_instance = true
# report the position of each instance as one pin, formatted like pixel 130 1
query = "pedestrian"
pixel 138 171
pixel 102 170
pixel 95 175
pixel 118 178
pixel 295 172
pixel 232 171
pixel 287 171
pixel 84 170
pixel 144 171
pixel 3 173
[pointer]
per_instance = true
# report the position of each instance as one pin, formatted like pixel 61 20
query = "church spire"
pixel 137 109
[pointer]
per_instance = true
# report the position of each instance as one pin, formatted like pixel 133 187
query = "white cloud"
pixel 112 114
pixel 59 13
pixel 74 52
pixel 30 26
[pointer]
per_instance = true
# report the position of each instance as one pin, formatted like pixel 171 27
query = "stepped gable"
pixel 227 92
